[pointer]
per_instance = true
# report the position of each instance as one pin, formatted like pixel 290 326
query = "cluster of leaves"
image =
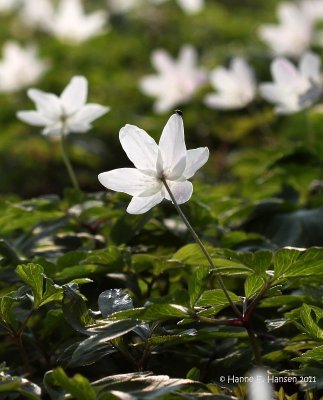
pixel 95 303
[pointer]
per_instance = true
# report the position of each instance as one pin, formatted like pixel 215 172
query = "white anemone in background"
pixel 259 387
pixel 19 67
pixel 189 6
pixel 293 89
pixel 293 35
pixel 60 115
pixel 176 81
pixel 37 13
pixel 8 5
pixel 313 9
pixel 236 86
pixel 70 23
pixel 122 6
pixel 168 160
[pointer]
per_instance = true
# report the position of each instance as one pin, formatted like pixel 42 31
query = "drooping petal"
pixel 140 205
pixel 130 181
pixel 46 103
pixel 88 114
pixel 181 190
pixel 74 95
pixel 33 118
pixel 172 147
pixel 195 159
pixel 140 148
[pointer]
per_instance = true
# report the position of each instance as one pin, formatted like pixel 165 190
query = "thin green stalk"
pixel 68 164
pixel 254 344
pixel 202 247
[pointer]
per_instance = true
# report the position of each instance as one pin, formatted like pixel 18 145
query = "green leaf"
pixel 153 312
pixel 253 285
pixel 78 386
pixel 292 262
pixel 312 355
pixel 32 275
pixel 6 304
pixel 311 318
pixel 114 300
pixel 197 283
pixel 216 297
pixel 75 310
pixel 104 335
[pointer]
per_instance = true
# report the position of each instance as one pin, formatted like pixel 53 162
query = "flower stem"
pixel 68 164
pixel 202 247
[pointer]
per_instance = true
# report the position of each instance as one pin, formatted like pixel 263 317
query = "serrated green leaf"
pixel 311 317
pixel 216 297
pixel 32 275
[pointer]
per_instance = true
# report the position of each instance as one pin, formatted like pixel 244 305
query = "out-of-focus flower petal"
pixel 310 66
pixel 195 159
pixel 46 103
pixel 172 147
pixel 130 181
pixel 88 114
pixel 283 71
pixel 259 387
pixel 33 118
pixel 74 95
pixel 140 205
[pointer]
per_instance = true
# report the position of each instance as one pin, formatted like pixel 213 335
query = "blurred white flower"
pixel 37 13
pixel 176 82
pixel 259 387
pixel 65 113
pixel 236 86
pixel 19 67
pixel 189 6
pixel 168 160
pixel 313 9
pixel 8 5
pixel 122 6
pixel 294 33
pixel 293 89
pixel 70 22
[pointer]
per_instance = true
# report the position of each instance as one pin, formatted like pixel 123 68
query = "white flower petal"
pixel 162 61
pixel 172 147
pixel 223 101
pixel 74 95
pixel 310 67
pixel 181 190
pixel 130 181
pixel 195 159
pixel 140 205
pixel 271 92
pixel 56 129
pixel 88 114
pixel 140 148
pixel 33 118
pixel 284 72
pixel 46 103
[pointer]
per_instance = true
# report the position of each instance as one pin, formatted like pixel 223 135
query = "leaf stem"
pixel 202 247
pixel 68 164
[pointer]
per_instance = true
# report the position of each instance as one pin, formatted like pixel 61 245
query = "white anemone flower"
pixel 20 67
pixel 177 80
pixel 259 386
pixel 169 160
pixel 63 114
pixel 294 33
pixel 236 86
pixel 37 13
pixel 313 9
pixel 293 89
pixel 70 23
